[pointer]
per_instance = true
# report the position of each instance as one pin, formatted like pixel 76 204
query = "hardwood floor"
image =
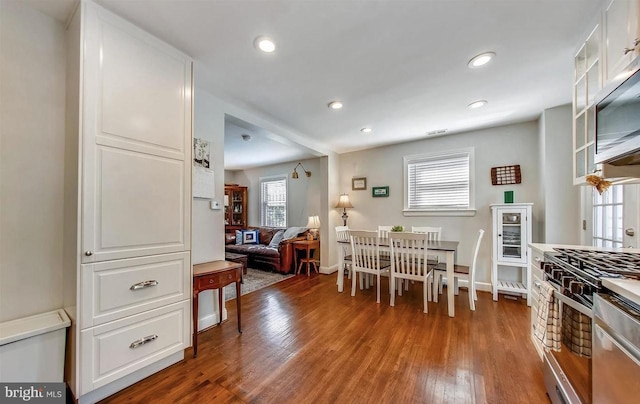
pixel 304 342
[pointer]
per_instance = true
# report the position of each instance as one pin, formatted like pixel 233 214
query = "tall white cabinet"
pixel 510 260
pixel 127 203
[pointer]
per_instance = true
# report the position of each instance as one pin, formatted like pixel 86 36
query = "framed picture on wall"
pixel 379 191
pixel 359 183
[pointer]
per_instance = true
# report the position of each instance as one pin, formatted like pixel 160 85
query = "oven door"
pixel 616 352
pixel 567 372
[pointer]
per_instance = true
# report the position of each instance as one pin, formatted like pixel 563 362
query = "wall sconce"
pixel 313 225
pixel 294 175
pixel 344 203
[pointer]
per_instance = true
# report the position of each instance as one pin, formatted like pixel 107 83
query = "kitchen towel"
pixel 547 325
pixel 576 331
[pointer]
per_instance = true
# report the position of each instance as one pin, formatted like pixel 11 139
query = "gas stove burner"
pixel 602 264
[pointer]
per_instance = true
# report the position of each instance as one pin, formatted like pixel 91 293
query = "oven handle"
pixel 573 304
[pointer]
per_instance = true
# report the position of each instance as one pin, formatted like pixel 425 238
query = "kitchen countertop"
pixel 628 288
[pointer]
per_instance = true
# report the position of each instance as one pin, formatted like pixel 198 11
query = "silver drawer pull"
pixel 143 285
pixel 143 341
pixel 537 284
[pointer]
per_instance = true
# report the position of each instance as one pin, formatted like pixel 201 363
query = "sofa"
pixel 262 252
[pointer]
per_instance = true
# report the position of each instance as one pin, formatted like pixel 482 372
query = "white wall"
pixel 560 214
pixel 500 146
pixel 302 193
pixel 32 131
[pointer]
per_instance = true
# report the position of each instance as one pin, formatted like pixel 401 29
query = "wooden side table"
pixel 214 275
pixel 309 246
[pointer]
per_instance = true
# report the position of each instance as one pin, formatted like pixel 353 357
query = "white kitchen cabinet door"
pixel 136 141
pixel 622 32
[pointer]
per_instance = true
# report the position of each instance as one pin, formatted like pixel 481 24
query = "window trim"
pixel 470 211
pixel 270 178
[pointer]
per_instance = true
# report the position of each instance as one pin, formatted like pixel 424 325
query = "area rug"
pixel 255 279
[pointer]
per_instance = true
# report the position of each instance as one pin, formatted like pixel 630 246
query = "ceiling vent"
pixel 437 132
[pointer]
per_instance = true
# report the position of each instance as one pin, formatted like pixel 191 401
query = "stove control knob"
pixel 630 232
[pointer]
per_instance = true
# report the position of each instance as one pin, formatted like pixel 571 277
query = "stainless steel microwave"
pixel 617 116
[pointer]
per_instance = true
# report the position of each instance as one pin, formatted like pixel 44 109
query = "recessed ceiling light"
pixel 335 105
pixel 481 60
pixel 477 104
pixel 265 44
pixel 366 130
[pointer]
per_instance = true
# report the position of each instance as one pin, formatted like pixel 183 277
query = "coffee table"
pixel 239 258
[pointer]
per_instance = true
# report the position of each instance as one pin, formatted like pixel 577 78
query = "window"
pixel 440 183
pixel 607 217
pixel 273 200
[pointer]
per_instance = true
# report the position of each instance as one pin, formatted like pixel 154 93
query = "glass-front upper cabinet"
pixel 587 82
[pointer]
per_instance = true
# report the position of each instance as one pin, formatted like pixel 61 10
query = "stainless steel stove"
pixel 577 275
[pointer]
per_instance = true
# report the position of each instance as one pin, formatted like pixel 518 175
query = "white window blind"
pixel 439 182
pixel 273 198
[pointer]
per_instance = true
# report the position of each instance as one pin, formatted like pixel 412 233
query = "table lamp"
pixel 313 225
pixel 344 203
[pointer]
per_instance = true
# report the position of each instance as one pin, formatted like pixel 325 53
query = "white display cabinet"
pixel 511 235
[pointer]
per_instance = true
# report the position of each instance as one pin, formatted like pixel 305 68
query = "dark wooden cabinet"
pixel 235 207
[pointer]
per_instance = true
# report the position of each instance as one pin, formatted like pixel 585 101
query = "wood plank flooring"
pixel 303 342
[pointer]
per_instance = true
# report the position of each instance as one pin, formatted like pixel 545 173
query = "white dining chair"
pixel 383 231
pixel 409 263
pixel 460 272
pixel 365 253
pixel 342 236
pixel 433 234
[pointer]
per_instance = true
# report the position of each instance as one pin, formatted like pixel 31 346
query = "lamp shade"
pixel 313 223
pixel 344 202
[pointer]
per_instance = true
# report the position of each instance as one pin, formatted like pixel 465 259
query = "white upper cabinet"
pixel 587 82
pixel 622 35
pixel 136 125
pixel 607 50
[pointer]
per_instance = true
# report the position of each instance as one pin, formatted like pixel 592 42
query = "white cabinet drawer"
pixel 115 289
pixel 116 349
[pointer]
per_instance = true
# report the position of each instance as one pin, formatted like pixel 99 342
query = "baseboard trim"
pixel 329 270
pixel 480 286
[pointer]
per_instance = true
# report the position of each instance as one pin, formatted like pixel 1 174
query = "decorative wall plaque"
pixel 506 175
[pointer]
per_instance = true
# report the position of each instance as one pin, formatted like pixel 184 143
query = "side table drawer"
pixel 115 289
pixel 215 281
pixel 116 349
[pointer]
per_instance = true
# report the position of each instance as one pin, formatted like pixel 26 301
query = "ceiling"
pixel 399 66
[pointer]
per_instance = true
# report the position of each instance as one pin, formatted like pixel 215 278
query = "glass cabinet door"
pixel 510 236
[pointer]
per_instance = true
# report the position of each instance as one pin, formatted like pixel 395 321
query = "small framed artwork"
pixel 379 191
pixel 359 184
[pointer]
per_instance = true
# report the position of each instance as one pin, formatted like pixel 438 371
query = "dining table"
pixel 443 249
